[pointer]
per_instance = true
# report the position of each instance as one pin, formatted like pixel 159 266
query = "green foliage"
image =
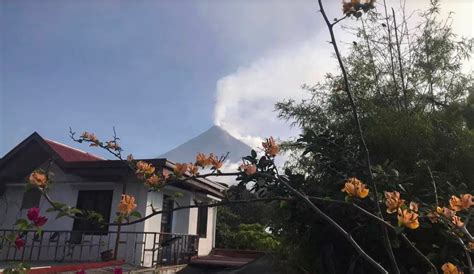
pixel 423 122
pixel 247 237
pixel 242 226
pixel 19 268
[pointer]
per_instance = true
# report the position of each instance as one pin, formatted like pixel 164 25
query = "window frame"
pixel 94 229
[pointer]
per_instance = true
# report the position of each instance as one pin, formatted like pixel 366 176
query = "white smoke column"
pixel 246 99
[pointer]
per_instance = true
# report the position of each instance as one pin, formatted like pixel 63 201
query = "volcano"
pixel 214 140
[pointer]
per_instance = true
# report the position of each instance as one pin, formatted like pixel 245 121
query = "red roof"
pixel 70 154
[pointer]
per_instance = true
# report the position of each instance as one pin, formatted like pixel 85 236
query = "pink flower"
pixel 19 242
pixel 34 216
pixel 118 270
pixel 33 213
pixel 40 221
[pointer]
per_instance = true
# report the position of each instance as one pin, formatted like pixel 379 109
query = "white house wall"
pixel 65 190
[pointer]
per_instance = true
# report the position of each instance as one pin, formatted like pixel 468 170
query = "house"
pixel 93 183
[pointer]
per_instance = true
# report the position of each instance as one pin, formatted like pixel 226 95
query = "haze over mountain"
pixel 215 140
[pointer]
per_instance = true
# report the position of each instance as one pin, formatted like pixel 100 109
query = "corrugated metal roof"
pixel 70 154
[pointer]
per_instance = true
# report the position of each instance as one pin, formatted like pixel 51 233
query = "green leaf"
pixel 10 237
pixel 51 209
pixel 136 214
pixel 75 211
pixel 61 214
pixel 178 194
pixel 20 222
pixel 59 205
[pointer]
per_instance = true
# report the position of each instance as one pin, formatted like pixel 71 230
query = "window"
pixel 167 218
pixel 31 198
pixel 202 222
pixel 99 201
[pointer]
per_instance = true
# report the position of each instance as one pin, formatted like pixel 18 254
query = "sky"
pixel 162 72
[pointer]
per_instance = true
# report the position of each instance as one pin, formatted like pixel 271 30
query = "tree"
pixel 411 101
pixel 243 226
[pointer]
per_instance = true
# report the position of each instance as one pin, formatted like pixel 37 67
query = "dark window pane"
pixel 99 201
pixel 202 222
pixel 31 198
pixel 167 217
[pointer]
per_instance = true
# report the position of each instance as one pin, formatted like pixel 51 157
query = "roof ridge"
pixel 73 148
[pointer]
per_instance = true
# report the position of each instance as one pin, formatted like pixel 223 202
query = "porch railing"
pixel 136 248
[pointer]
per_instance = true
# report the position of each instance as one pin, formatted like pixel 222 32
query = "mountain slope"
pixel 215 140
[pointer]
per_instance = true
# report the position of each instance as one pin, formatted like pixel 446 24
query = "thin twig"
pixel 434 184
pixel 400 63
pixel 361 135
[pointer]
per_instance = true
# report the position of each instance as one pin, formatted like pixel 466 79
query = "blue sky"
pixel 147 67
pixel 161 72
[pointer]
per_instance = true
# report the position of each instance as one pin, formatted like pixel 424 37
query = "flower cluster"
pixel 144 169
pixel 112 145
pixel 39 179
pixel 408 216
pixel 204 161
pixel 19 242
pixel 456 204
pixel 90 137
pixel 354 7
pixel 449 268
pixel 180 169
pixel 248 169
pixel 270 147
pixel 393 201
pixel 463 202
pixel 127 205
pixel 355 188
pixel 36 219
pixel 155 181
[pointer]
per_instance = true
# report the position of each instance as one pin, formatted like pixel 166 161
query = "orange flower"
pixel 457 221
pixel 433 216
pixel 449 268
pixel 90 137
pixel 215 162
pixel 347 8
pixel 354 187
pixel 153 181
pixel 180 169
pixel 413 206
pixel 248 169
pixel 464 201
pixel 127 205
pixel 193 169
pixel 393 201
pixel 202 160
pixel 446 212
pixel 144 168
pixel 270 146
pixel 38 178
pixel 112 145
pixel 408 218
pixel 470 246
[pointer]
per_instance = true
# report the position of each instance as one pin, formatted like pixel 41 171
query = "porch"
pixel 135 248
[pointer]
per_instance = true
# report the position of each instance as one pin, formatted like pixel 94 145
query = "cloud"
pixel 245 102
